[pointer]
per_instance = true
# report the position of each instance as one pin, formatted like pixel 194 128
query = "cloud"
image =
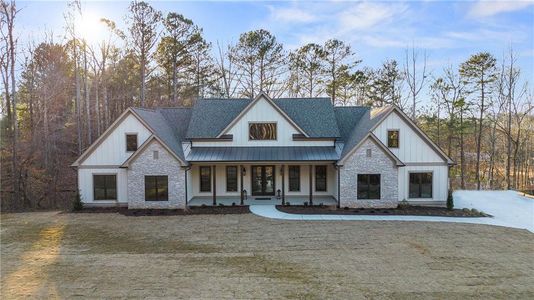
pixel 485 8
pixel 366 15
pixel 291 15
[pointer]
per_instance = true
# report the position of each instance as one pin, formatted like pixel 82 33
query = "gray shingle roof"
pixel 168 125
pixel 361 129
pixel 314 115
pixel 211 116
pixel 204 154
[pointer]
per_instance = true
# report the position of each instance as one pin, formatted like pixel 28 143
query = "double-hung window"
pixel 320 178
pixel 368 186
pixel 294 178
pixel 205 179
pixel 231 178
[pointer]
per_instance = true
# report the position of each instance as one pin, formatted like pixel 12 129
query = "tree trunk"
pixel 479 137
pixel 462 154
pixel 86 94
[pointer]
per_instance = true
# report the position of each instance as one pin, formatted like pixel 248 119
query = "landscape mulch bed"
pixel 400 211
pixel 207 210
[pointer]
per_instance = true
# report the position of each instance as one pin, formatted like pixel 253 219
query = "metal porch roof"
pixel 205 154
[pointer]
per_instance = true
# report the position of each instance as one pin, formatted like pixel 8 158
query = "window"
pixel 262 131
pixel 368 186
pixel 156 188
pixel 105 187
pixel 205 179
pixel 393 138
pixel 421 185
pixel 131 142
pixel 369 153
pixel 155 155
pixel 294 178
pixel 231 178
pixel 320 178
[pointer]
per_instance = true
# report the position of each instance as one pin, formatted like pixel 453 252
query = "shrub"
pixel 233 203
pixel 306 203
pixel 77 203
pixel 403 204
pixel 288 203
pixel 450 201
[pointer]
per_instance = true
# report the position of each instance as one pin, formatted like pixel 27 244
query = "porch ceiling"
pixel 209 154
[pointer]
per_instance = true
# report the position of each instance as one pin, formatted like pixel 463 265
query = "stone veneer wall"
pixel 378 163
pixel 145 164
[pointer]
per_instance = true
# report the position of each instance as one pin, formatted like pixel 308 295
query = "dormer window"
pixel 131 142
pixel 393 138
pixel 262 131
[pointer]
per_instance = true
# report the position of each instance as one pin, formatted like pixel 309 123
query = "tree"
pixel 338 56
pixel 415 75
pixel 479 72
pixel 307 70
pixel 143 21
pixel 174 50
pixel 386 85
pixel 260 60
pixel 8 13
pixel 226 74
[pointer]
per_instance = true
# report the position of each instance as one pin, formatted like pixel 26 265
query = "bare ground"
pixel 243 256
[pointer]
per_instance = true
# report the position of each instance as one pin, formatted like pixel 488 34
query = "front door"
pixel 262 180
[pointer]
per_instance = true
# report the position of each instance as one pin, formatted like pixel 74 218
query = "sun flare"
pixel 90 28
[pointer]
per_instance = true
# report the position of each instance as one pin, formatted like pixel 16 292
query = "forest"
pixel 58 95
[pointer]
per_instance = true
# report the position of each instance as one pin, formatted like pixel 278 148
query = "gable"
pixel 110 148
pixel 262 111
pixel 144 152
pixel 413 147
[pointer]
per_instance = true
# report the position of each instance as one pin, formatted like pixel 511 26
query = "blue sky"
pixel 449 31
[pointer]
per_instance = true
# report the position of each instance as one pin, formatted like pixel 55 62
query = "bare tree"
pixel 415 75
pixel 226 71
pixel 9 12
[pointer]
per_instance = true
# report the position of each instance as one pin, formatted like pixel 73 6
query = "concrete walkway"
pixel 527 222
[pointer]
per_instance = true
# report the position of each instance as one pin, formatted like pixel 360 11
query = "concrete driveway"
pixel 508 209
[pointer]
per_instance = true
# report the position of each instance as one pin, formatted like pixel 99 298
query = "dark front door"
pixel 262 180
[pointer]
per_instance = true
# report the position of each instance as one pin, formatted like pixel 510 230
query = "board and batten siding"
pixel 107 157
pixel 85 184
pixel 440 182
pixel 112 151
pixel 262 111
pixel 418 156
pixel 412 148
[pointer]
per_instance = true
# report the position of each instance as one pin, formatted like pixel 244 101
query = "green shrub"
pixel 77 203
pixel 450 201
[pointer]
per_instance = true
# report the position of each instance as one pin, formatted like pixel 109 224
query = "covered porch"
pixel 292 200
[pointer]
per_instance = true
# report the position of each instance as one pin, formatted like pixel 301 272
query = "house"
pixel 263 150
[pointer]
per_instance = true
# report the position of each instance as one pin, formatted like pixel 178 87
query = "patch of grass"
pixel 266 267
pixel 98 240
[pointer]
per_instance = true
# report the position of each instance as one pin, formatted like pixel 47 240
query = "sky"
pixel 448 31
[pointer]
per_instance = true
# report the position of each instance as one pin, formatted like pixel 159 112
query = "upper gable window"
pixel 393 138
pixel 131 142
pixel 262 131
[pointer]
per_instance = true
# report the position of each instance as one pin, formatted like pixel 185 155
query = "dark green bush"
pixel 450 201
pixel 77 203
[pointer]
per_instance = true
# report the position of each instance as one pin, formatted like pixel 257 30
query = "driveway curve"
pixel 508 209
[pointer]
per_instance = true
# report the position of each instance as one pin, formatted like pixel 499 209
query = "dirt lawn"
pixel 244 256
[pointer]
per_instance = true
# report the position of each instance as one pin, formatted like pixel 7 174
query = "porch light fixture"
pixel 244 170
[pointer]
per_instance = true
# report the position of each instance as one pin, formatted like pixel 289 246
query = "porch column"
pixel 283 171
pixel 214 169
pixel 241 184
pixel 338 186
pixel 311 185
